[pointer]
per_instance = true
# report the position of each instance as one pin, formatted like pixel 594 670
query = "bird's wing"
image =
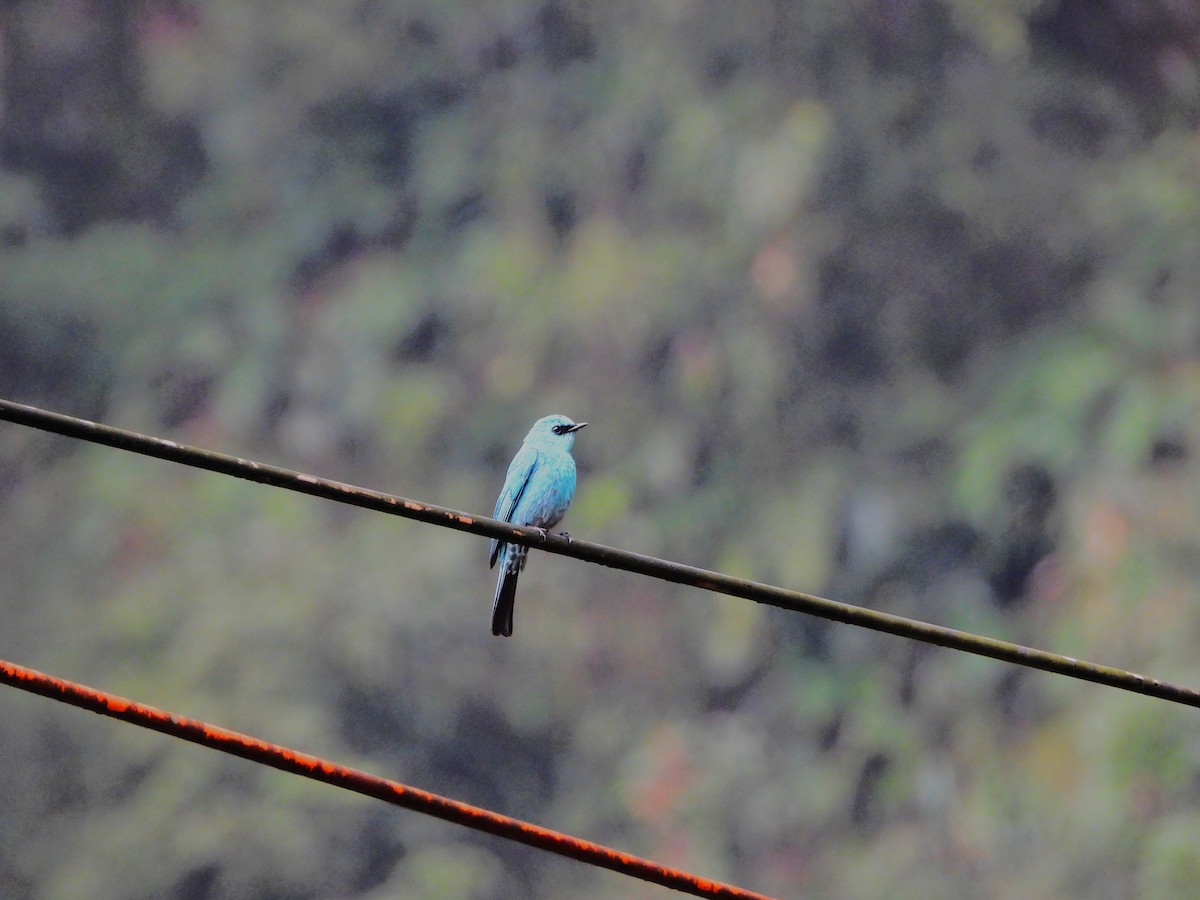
pixel 519 472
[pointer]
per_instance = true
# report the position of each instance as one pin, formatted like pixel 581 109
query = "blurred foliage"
pixel 889 301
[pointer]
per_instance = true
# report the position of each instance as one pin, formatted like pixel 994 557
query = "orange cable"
pixel 393 792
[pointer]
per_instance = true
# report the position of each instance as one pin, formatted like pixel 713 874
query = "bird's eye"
pixel 560 429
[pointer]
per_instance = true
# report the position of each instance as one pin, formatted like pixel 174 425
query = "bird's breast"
pixel 549 493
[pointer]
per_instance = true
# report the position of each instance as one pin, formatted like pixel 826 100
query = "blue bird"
pixel 537 491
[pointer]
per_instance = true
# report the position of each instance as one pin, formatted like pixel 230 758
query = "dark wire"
pixel 598 553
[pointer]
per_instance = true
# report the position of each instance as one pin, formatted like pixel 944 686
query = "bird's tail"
pixel 506 595
pixel 512 561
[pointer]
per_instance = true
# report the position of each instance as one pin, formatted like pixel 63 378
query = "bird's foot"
pixel 544 533
pixel 565 535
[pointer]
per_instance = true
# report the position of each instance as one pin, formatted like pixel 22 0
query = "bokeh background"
pixel 895 301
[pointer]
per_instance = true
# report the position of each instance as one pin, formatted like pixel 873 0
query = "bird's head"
pixel 554 431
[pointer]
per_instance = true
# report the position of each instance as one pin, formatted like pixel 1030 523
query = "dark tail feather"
pixel 502 608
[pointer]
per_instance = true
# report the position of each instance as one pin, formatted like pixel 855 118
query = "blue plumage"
pixel 537 491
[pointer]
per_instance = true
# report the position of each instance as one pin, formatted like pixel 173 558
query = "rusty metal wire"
pixel 394 792
pixel 613 557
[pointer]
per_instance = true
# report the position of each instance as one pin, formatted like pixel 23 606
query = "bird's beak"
pixel 577 426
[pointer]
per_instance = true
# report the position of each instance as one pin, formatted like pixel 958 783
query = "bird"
pixel 537 491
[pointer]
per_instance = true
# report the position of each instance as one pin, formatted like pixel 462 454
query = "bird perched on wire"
pixel 537 491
